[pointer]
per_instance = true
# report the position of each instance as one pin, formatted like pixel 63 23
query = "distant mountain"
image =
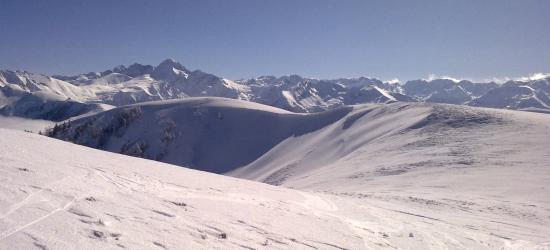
pixel 521 95
pixel 35 96
pixel 299 94
pixel 445 90
pixel 517 95
pixel 61 97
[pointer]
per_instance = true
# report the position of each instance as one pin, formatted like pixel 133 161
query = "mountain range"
pixel 60 97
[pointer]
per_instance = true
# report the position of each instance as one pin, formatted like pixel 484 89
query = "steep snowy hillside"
pixel 212 134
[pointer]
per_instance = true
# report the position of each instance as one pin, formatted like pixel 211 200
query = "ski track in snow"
pixel 14 207
pixel 17 229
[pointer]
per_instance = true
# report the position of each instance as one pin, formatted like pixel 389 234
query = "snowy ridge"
pixel 385 94
pixel 212 134
pixel 220 135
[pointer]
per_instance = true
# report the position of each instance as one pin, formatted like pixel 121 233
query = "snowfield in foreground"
pixel 396 176
pixel 56 195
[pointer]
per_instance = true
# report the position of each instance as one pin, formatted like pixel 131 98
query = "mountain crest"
pixel 169 69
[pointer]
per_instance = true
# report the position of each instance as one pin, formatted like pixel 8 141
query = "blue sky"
pixel 408 39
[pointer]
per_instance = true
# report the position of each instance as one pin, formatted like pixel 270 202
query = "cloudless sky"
pixel 408 39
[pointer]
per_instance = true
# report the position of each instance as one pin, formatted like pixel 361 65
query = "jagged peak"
pixel 169 69
pixel 171 63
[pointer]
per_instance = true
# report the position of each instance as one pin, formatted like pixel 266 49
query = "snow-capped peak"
pixel 169 69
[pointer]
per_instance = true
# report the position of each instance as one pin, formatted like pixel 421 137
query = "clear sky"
pixel 407 39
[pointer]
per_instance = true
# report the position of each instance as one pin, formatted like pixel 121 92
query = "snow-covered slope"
pixel 466 168
pixel 57 195
pixel 219 135
pixel 411 141
pixel 23 124
pixel 212 134
pixel 406 139
pixel 393 176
